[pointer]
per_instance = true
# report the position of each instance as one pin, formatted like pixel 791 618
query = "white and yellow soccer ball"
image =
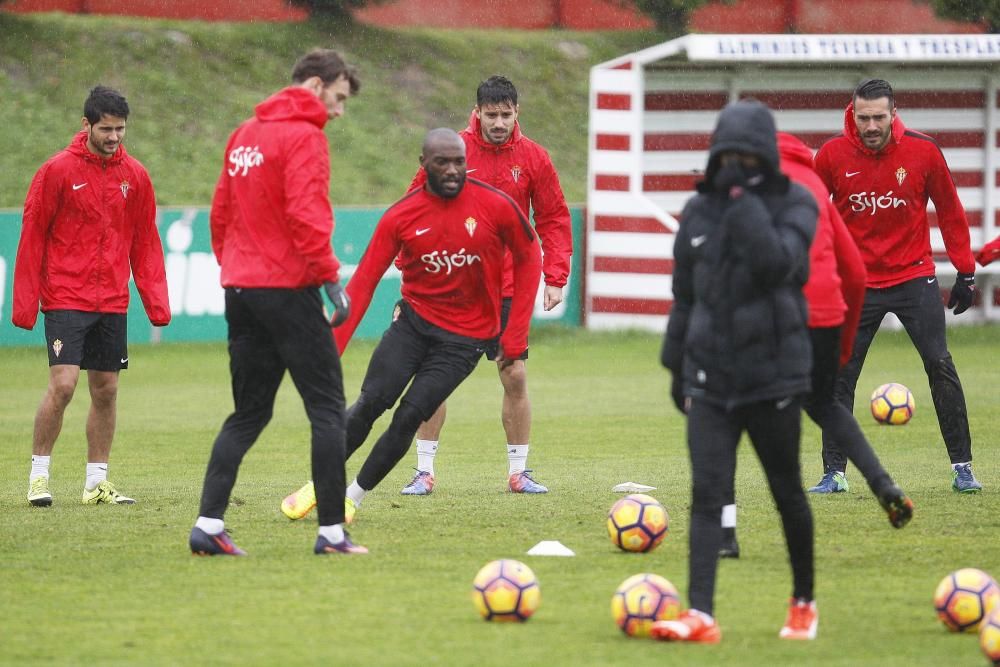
pixel 892 404
pixel 641 600
pixel 637 522
pixel 965 598
pixel 506 590
pixel 989 636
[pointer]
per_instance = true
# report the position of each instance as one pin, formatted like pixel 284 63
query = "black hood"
pixel 746 126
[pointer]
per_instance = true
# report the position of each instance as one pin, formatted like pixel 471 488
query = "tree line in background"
pixel 673 15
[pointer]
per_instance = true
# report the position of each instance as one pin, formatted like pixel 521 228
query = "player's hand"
pixel 552 297
pixel 730 180
pixel 341 302
pixel 677 393
pixel 963 293
pixel 503 361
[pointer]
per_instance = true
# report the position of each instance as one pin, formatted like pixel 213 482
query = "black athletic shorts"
pixel 435 359
pixel 92 341
pixel 493 349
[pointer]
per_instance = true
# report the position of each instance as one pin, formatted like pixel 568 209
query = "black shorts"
pixel 92 341
pixel 436 360
pixel 493 348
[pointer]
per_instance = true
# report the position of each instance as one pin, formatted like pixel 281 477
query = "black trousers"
pixel 917 304
pixel 414 352
pixel 833 417
pixel 713 435
pixel 271 330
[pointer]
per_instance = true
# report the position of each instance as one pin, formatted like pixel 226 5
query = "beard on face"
pixel 105 147
pixel 437 185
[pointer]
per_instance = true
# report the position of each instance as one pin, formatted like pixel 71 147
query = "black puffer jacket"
pixel 737 332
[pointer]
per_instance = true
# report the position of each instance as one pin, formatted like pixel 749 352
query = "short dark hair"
pixel 328 65
pixel 496 90
pixel 104 101
pixel 873 89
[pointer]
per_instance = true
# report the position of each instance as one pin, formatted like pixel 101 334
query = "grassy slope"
pixel 118 583
pixel 190 83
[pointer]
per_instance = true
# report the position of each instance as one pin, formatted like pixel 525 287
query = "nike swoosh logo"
pixel 125 360
pixel 423 231
pixel 77 187
pixel 930 281
pixel 848 174
pixel 698 240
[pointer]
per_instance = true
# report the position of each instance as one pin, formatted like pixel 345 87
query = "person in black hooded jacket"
pixel 738 347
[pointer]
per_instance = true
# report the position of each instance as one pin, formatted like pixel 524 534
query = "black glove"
pixel 677 392
pixel 341 303
pixel 963 293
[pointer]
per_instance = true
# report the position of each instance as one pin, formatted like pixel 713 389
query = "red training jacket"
pixel 836 286
pixel 451 254
pixel 522 169
pixel 883 195
pixel 271 218
pixel 88 222
pixel 989 252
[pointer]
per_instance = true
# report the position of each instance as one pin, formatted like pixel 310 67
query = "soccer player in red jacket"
pixel 881 175
pixel 451 237
pixel 89 221
pixel 500 155
pixel 834 293
pixel 271 224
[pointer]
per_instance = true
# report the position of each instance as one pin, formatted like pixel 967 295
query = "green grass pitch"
pixel 117 585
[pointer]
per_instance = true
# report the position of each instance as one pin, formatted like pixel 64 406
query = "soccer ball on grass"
pixel 892 404
pixel 637 522
pixel 964 598
pixel 989 636
pixel 642 599
pixel 506 590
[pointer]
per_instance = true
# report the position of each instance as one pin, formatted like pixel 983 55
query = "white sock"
pixel 705 617
pixel 40 466
pixel 355 493
pixel 96 473
pixel 426 449
pixel 210 526
pixel 954 466
pixel 729 516
pixel 334 533
pixel 517 458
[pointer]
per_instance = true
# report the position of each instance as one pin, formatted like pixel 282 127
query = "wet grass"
pixel 189 83
pixel 118 582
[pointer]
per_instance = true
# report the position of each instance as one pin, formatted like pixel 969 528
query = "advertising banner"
pixel 196 298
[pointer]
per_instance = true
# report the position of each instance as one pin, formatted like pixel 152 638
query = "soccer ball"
pixel 989 636
pixel 637 522
pixel 892 404
pixel 964 598
pixel 642 599
pixel 506 590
